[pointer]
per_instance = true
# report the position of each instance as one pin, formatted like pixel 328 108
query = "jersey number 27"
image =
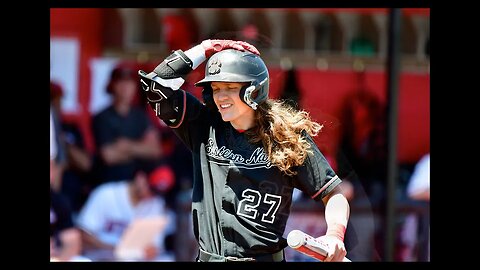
pixel 247 207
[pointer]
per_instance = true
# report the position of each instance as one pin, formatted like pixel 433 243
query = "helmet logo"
pixel 214 67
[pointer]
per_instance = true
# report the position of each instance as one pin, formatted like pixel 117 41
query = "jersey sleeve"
pixel 316 177
pixel 191 125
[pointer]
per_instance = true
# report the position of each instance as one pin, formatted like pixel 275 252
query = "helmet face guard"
pixel 237 66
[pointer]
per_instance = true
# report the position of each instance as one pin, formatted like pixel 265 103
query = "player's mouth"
pixel 225 106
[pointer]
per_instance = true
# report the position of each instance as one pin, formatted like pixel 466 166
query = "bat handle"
pixel 306 244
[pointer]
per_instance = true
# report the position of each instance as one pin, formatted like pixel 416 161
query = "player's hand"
pixel 212 46
pixel 157 88
pixel 335 248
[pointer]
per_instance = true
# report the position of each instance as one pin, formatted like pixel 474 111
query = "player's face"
pixel 227 98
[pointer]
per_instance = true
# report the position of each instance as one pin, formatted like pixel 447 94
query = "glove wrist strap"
pixel 197 55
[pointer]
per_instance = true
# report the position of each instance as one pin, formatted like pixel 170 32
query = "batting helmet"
pixel 237 66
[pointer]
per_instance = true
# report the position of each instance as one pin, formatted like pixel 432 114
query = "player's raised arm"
pixel 161 84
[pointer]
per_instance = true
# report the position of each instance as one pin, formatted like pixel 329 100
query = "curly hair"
pixel 279 128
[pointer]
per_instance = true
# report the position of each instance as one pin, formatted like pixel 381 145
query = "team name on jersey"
pixel 222 155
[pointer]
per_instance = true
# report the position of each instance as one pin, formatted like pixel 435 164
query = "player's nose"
pixel 221 94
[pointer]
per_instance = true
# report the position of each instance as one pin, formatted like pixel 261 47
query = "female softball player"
pixel 249 153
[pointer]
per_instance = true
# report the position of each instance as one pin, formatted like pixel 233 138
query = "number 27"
pixel 252 199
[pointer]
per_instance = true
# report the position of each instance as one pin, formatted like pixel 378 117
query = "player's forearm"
pixel 170 73
pixel 337 213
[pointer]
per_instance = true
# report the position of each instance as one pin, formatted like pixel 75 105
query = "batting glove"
pixel 212 46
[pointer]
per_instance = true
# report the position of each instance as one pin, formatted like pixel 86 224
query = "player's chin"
pixel 226 116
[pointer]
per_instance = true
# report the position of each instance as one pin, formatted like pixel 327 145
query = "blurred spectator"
pixel 418 189
pixel 65 239
pixel 58 164
pixel 361 161
pixel 362 155
pixel 292 95
pixel 53 146
pixel 124 134
pixel 291 92
pixel 419 185
pixel 75 177
pixel 112 206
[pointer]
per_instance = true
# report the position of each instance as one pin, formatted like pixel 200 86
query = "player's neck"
pixel 243 123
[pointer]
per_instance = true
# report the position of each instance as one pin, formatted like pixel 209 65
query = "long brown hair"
pixel 279 128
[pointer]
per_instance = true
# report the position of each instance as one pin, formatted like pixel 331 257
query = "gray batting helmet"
pixel 237 66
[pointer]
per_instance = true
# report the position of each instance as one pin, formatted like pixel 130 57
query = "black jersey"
pixel 240 202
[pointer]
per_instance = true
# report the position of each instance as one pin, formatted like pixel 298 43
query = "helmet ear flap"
pixel 248 93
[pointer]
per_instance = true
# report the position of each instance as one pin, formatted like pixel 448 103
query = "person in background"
pixel 113 206
pixel 65 240
pixel 123 132
pixel 53 146
pixel 361 160
pixel 65 237
pixel 76 182
pixel 59 162
pixel 418 189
